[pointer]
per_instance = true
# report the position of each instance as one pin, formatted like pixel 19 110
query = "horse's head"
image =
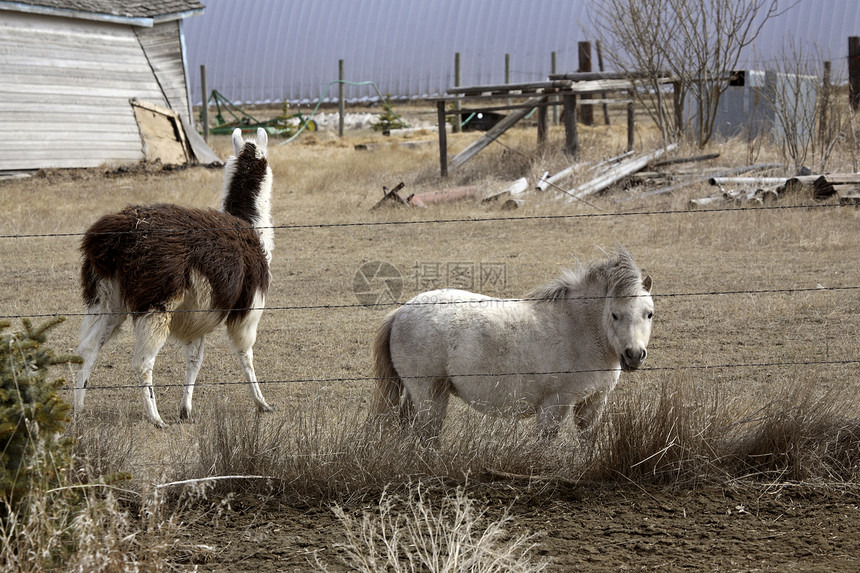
pixel 627 318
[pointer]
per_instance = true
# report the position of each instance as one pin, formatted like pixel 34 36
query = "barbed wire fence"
pixel 848 361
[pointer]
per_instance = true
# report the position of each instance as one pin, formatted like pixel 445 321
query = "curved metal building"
pixel 268 51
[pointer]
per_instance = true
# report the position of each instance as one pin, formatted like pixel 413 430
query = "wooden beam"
pixel 506 89
pixel 491 135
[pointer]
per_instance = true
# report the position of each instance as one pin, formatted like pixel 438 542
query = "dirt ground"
pixel 585 528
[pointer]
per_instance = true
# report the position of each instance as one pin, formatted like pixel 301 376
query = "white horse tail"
pixel 389 401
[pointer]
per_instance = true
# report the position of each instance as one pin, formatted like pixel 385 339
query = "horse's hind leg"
pixel 193 361
pixel 150 334
pixel 241 336
pixel 429 398
pixel 98 326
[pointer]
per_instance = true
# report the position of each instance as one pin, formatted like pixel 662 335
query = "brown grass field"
pixel 736 447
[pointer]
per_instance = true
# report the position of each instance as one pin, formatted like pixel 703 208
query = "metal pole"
pixel 340 104
pixel 554 70
pixel 457 119
pixel 204 109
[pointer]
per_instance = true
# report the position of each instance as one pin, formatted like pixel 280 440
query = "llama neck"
pixel 247 195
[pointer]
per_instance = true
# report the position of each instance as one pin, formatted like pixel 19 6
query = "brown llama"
pixel 180 273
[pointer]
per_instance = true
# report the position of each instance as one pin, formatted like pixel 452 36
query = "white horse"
pixel 560 348
pixel 180 273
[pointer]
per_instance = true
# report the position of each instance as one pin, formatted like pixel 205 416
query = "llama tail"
pixel 102 248
pixel 389 402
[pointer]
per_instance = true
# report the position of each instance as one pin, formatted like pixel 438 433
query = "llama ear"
pixel 238 144
pixel 646 283
pixel 262 140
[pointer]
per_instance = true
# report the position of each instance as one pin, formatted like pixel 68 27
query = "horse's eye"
pixel 650 315
pixel 614 316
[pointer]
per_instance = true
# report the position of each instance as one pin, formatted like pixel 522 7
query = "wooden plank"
pixel 615 174
pixel 162 135
pixel 592 76
pixel 491 135
pixel 507 89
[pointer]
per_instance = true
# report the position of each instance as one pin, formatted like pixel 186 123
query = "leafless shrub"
pixel 697 42
pixel 414 532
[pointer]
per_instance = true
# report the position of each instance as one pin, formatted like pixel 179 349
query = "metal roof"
pixel 266 51
pixel 135 12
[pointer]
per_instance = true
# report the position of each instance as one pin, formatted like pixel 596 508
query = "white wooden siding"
pixel 163 49
pixel 65 87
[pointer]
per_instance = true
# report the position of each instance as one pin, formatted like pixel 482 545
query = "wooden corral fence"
pixel 523 99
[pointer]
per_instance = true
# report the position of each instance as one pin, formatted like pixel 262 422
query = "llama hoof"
pixel 159 424
pixel 265 408
pixel 184 416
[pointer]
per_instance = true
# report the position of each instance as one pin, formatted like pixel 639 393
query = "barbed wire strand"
pixel 351 224
pixel 361 379
pixel 476 302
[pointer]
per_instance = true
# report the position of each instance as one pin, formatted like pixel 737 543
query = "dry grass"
pixel 731 392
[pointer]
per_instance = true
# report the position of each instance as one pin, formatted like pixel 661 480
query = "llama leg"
pixel 98 326
pixel 150 333
pixel 193 361
pixel 242 335
pixel 246 359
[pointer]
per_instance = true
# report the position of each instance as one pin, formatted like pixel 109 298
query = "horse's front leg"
pixel 588 412
pixel 193 361
pixel 549 416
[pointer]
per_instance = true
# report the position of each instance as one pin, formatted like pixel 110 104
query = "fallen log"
pixel 825 185
pixel 721 181
pixel 444 196
pixel 678 160
pixel 618 172
pixel 850 195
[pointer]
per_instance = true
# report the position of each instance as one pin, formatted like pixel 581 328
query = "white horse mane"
pixel 620 275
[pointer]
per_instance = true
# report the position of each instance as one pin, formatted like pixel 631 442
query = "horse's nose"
pixel 635 355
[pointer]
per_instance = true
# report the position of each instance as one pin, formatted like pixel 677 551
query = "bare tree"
pixel 698 42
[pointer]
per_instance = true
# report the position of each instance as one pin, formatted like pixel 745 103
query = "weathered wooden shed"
pixel 85 83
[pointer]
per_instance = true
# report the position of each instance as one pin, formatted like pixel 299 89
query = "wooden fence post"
pixel 586 112
pixel 443 138
pixel 854 71
pixel 603 94
pixel 630 123
pixel 825 104
pixel 571 136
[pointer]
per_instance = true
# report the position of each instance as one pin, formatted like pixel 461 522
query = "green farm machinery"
pixel 284 125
